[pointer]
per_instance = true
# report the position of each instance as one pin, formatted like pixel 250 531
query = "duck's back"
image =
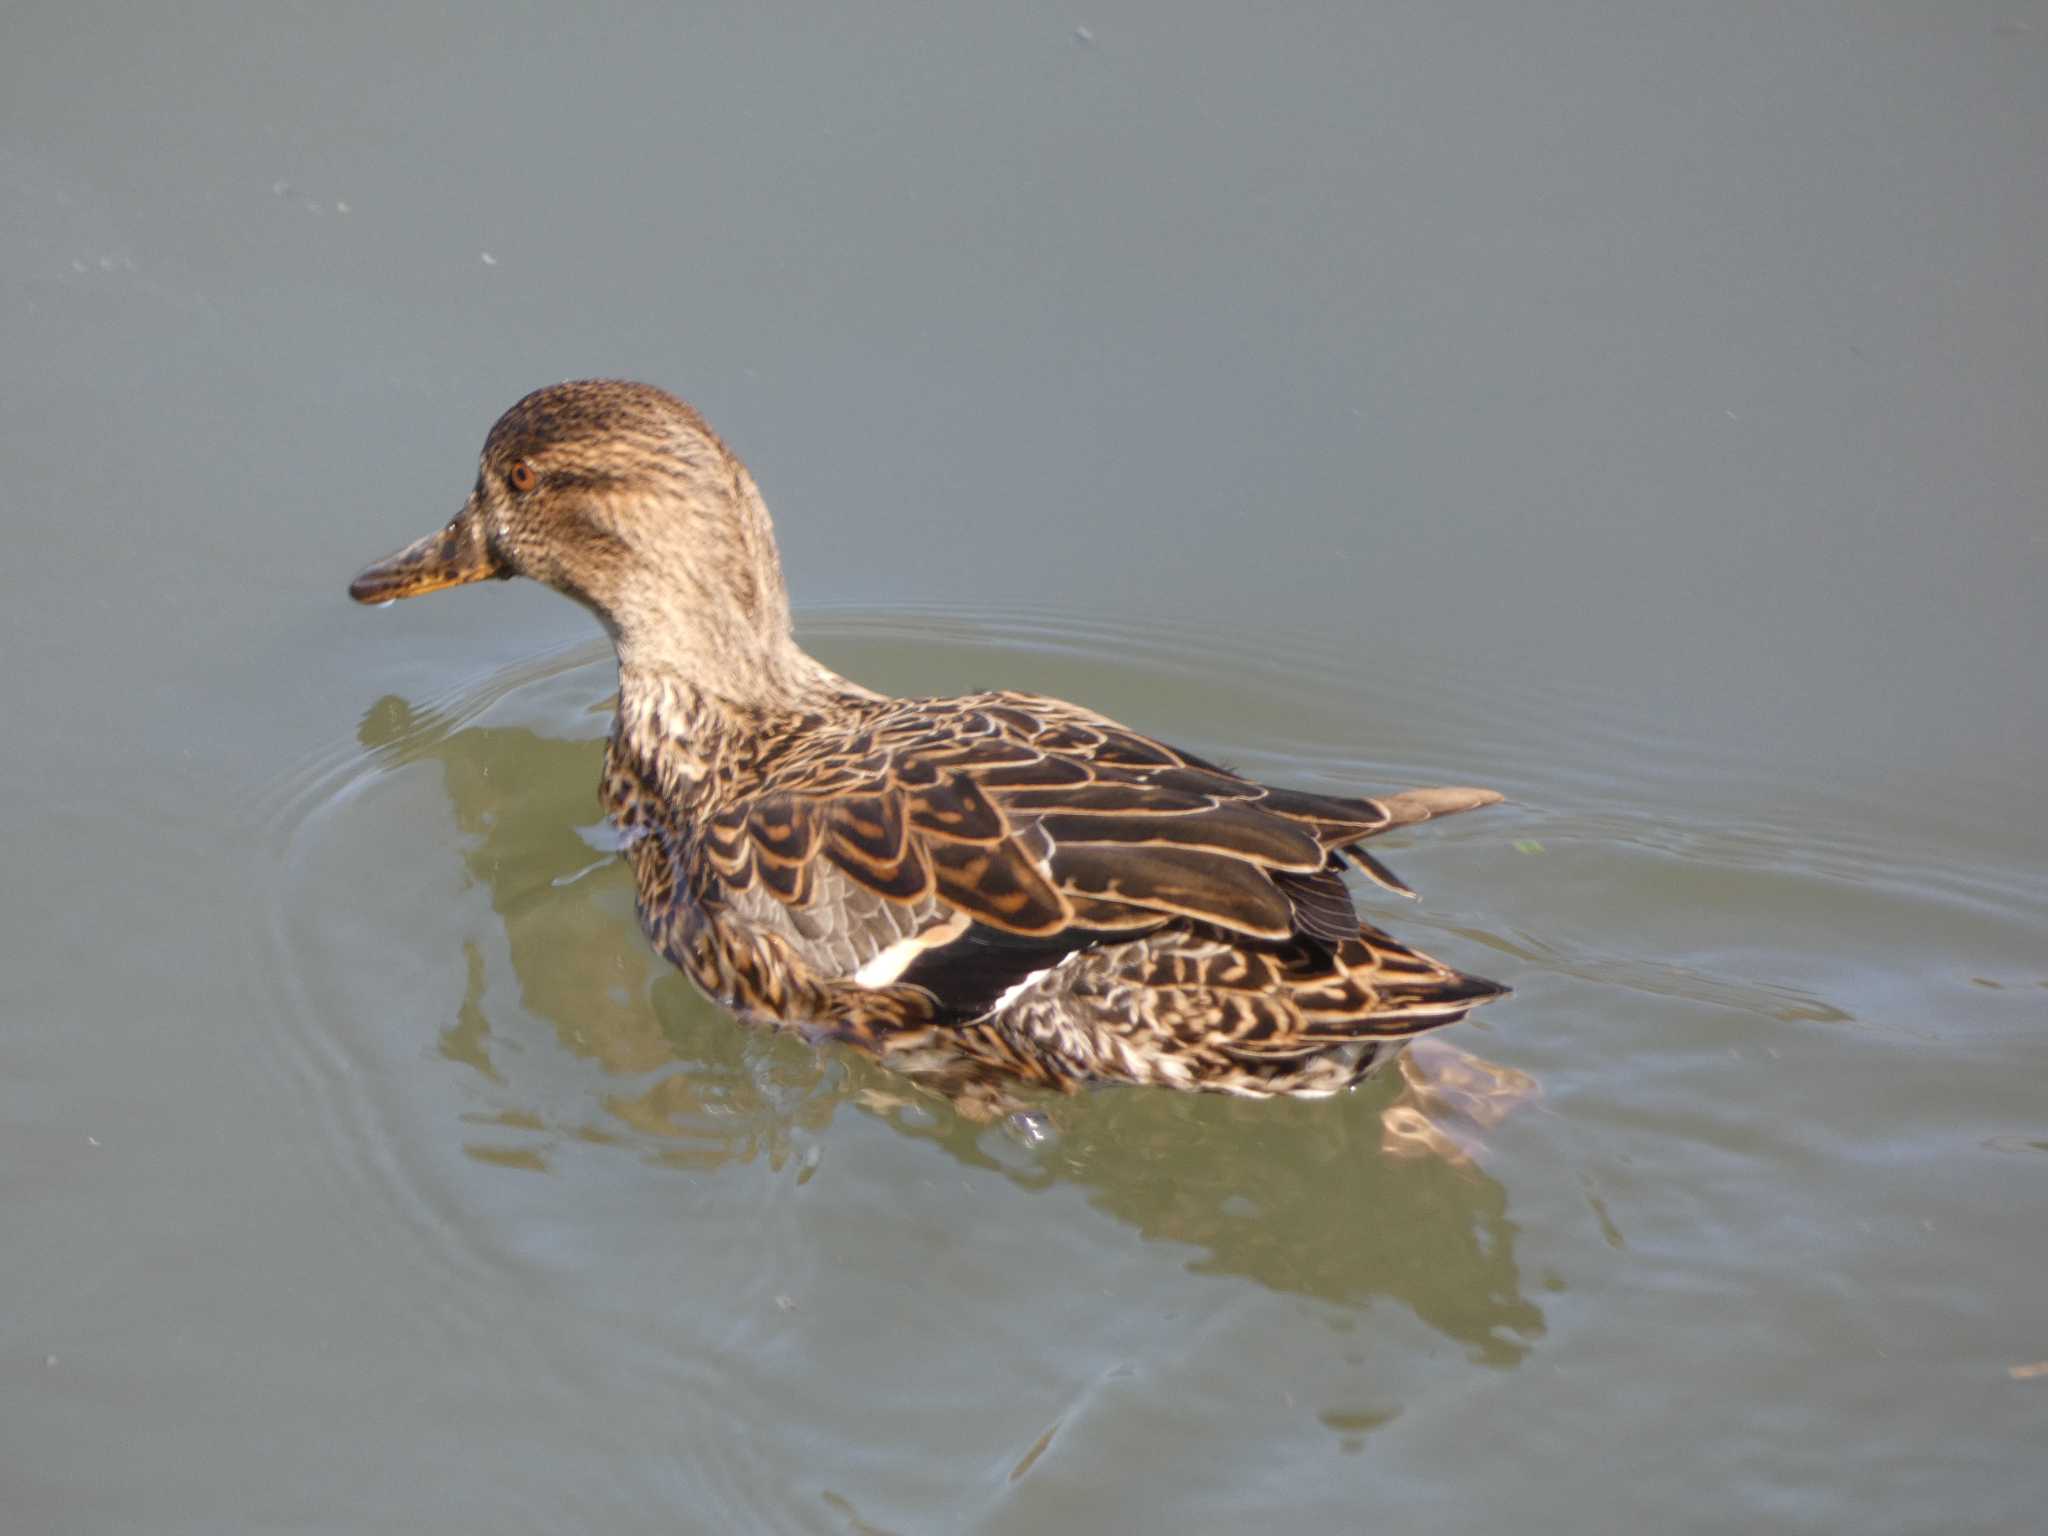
pixel 1038 887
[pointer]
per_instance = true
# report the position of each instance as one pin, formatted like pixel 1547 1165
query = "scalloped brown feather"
pixel 1167 923
pixel 978 890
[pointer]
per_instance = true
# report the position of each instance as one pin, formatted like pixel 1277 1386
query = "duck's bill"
pixel 455 556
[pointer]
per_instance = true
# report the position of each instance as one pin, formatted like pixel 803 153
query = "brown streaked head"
pixel 619 495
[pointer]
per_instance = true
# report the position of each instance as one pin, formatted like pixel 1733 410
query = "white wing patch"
pixel 1011 994
pixel 884 969
pixel 890 963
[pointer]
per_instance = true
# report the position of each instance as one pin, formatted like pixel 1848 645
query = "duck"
pixel 986 892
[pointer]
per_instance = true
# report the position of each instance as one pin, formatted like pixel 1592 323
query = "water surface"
pixel 1633 408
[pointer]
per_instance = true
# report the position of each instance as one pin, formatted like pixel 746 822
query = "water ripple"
pixel 457 1001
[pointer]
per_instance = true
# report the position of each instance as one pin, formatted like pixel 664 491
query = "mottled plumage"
pixel 980 889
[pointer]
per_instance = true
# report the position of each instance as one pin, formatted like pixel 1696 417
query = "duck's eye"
pixel 524 476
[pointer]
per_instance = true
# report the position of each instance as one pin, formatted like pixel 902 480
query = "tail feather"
pixel 1413 805
pixel 1378 873
pixel 1405 810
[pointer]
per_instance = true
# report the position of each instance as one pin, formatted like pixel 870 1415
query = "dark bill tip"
pixel 453 557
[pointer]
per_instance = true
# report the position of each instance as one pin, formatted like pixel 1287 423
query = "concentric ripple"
pixel 524 1107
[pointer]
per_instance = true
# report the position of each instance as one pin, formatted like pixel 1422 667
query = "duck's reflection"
pixel 1319 1200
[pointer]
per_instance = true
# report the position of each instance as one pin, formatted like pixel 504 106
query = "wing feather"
pixel 1031 819
pixel 1186 882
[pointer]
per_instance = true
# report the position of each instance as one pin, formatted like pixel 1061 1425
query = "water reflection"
pixel 1304 1198
pixel 1299 1197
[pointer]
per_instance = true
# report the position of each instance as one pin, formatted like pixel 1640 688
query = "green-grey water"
pixel 1638 409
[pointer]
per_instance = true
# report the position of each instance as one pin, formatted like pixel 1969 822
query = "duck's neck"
pixel 710 674
pixel 696 729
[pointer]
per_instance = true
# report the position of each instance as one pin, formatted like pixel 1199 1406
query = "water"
pixel 1637 411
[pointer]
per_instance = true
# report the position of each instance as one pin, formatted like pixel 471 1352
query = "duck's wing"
pixel 963 845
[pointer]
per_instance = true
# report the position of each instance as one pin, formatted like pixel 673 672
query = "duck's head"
pixel 620 496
